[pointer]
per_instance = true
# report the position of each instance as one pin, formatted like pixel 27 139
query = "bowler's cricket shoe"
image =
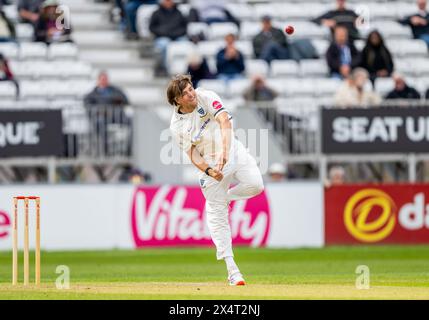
pixel 236 279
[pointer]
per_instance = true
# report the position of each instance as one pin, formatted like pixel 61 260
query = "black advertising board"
pixel 31 133
pixel 376 130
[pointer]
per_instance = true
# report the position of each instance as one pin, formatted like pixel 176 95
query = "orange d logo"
pixel 363 204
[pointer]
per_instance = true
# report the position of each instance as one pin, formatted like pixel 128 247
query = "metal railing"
pixel 298 128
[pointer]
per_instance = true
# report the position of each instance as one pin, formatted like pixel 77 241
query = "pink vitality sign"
pixel 175 216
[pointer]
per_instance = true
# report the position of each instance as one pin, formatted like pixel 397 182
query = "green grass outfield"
pixel 396 272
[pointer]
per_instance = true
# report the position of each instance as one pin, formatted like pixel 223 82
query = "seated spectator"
pixel 7 29
pixel 427 98
pixel 340 16
pixel 376 58
pixel 166 24
pixel 402 90
pixel 198 68
pixel 29 10
pixel 277 172
pixel 419 22
pixel 105 94
pixel 133 175
pixel 337 176
pixel 270 43
pixel 259 91
pixel 342 56
pixel 48 29
pixel 230 61
pixel 6 74
pixel 130 13
pixel 355 92
pixel 210 11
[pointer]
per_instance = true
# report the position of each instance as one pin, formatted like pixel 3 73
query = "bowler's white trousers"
pixel 242 167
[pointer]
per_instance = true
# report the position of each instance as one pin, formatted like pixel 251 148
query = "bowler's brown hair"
pixel 176 87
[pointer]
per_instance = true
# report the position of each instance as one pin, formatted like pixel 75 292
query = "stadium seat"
pixel 220 30
pixel 9 50
pixel 321 46
pixel 249 30
pixel 326 87
pixel 245 48
pixel 179 50
pixel 299 11
pixel 197 28
pixel 62 51
pixel 384 85
pixel 179 66
pixel 145 96
pixel 143 16
pixel 237 87
pixel 213 84
pixel 7 90
pixel 24 32
pixel 311 68
pixel 210 48
pixel 256 66
pixel 407 48
pixel 242 11
pixel 33 50
pixel 282 68
pixel 293 87
pixel 11 12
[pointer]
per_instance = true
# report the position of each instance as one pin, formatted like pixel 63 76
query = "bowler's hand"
pixel 216 174
pixel 223 159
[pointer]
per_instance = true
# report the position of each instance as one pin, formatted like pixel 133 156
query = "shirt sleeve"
pixel 214 103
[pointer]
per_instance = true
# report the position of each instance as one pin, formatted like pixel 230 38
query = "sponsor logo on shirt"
pixel 217 105
pixel 202 181
pixel 201 111
pixel 200 132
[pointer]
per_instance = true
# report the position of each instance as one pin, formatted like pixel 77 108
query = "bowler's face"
pixel 189 97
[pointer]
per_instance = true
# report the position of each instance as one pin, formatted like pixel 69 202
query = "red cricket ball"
pixel 289 29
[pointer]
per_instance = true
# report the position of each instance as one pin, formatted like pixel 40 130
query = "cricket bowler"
pixel 203 129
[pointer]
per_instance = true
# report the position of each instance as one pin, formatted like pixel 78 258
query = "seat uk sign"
pixel 373 214
pixel 376 130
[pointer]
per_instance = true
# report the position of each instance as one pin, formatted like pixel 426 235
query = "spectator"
pixel 342 56
pixel 198 68
pixel 29 10
pixel 130 12
pixel 355 92
pixel 427 98
pixel 48 29
pixel 402 90
pixel 106 94
pixel 6 74
pixel 7 29
pixel 106 106
pixel 270 43
pixel 419 22
pixel 166 24
pixel 259 91
pixel 230 61
pixel 341 16
pixel 337 176
pixel 133 175
pixel 376 58
pixel 211 11
pixel 277 172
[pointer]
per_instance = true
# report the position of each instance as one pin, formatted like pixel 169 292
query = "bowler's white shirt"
pixel 200 127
